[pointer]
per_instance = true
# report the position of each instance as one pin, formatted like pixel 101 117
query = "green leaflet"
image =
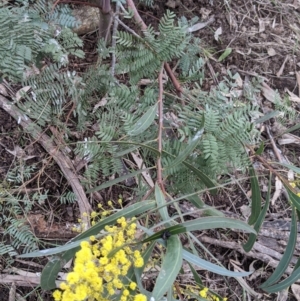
pixel 198 203
pixel 292 167
pixel 188 150
pixel 260 150
pixel 139 271
pixel 252 237
pixel 294 198
pixel 161 203
pixel 171 266
pixel 202 223
pixel 267 117
pixel 195 275
pixel 256 197
pixel 144 122
pixel 117 180
pixel 204 178
pixel 285 283
pixel 286 258
pixel 224 55
pixel 193 259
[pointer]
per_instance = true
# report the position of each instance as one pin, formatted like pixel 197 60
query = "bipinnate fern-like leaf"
pixel 142 57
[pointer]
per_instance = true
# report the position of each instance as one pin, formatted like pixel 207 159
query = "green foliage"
pixel 18 237
pixel 142 57
pixel 147 2
pixel 45 102
pixel 204 133
pixel 28 32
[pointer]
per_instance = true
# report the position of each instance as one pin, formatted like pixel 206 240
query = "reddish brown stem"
pixel 136 15
pixel 140 21
pixel 76 2
pixel 174 79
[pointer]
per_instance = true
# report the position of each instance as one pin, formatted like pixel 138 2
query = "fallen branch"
pixel 62 161
pixel 20 280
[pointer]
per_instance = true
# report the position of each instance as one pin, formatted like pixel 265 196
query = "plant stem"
pixel 169 71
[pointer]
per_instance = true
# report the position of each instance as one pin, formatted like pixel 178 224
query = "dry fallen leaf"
pixel 271 52
pixel 3 90
pixel 243 282
pixel 201 25
pixel 279 73
pixel 20 94
pixel 283 295
pixel 204 13
pixel 218 32
pixel 269 93
pixel 278 190
pixel 296 291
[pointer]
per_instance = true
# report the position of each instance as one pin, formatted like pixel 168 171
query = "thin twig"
pixel 128 28
pixel 168 69
pixel 148 193
pixel 275 148
pixel 113 40
pixel 174 79
pixel 136 15
pixel 271 169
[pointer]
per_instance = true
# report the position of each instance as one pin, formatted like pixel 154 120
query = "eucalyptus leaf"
pixel 294 198
pixel 170 268
pixel 198 203
pixel 252 237
pixel 139 271
pixel 260 150
pixel 188 150
pixel 287 256
pixel 196 260
pixel 196 276
pixel 144 122
pixel 118 180
pixel 161 203
pixel 255 196
pixel 53 267
pixel 289 166
pixel 285 283
pixel 202 223
pixel 267 117
pixel 204 178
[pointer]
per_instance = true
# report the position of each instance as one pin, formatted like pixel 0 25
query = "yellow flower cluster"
pixel 96 216
pixel 294 185
pixel 100 266
pixel 204 293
